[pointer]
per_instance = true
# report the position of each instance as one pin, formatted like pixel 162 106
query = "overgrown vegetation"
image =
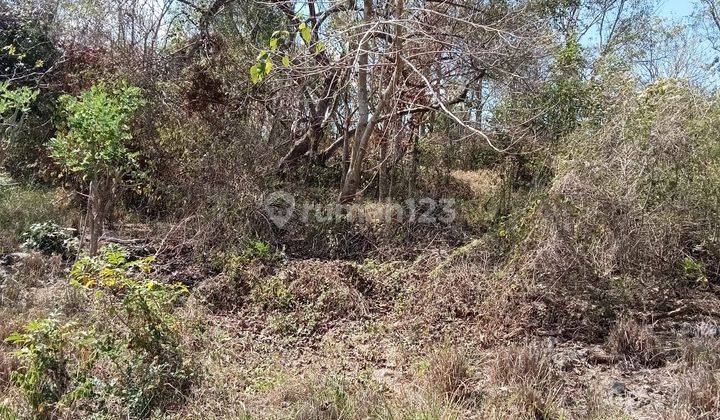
pixel 94 146
pixel 376 209
pixel 120 354
pixel 49 238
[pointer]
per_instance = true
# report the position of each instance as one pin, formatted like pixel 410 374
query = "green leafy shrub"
pixel 694 270
pixel 256 250
pixel 21 206
pixel 94 144
pixel 12 100
pixel 273 294
pixel 560 104
pixel 122 357
pixel 49 238
pixel 27 55
pixel 52 375
pixel 142 332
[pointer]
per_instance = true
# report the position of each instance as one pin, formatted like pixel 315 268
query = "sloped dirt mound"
pixel 334 288
pixel 304 298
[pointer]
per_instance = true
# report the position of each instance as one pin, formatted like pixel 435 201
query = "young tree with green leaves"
pixel 14 104
pixel 93 143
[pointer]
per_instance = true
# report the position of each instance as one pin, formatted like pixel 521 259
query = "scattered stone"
pixel 619 389
pixel 567 359
pixel 12 258
pixel 708 330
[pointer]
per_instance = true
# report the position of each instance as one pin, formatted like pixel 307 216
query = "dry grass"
pixel 247 370
pixel 28 278
pixel 448 374
pixel 701 353
pixel 481 182
pixel 628 202
pixel 635 343
pixel 697 393
pixel 528 383
pixel 223 293
pixel 334 289
pixel 21 206
pixel 8 363
pixel 597 406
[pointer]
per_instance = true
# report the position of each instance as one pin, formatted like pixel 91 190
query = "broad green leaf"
pixel 16 338
pixel 286 61
pixel 255 73
pixel 305 32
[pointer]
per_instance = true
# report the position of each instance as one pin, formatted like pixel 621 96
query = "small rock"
pixel 618 388
pixel 568 359
pixel 13 258
pixel 706 329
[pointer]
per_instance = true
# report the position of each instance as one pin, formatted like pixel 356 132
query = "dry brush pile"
pixel 629 224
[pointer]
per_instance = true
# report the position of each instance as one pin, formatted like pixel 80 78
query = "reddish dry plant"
pixel 697 394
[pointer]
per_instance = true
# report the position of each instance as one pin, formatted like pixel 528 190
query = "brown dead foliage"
pixel 697 390
pixel 635 343
pixel 526 376
pixel 334 288
pixel 448 373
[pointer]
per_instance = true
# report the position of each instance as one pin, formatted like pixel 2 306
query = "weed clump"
pixel 635 342
pixel 448 374
pixel 697 394
pixel 49 238
pixel 121 357
pixel 529 383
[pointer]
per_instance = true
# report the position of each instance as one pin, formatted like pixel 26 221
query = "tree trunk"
pixel 100 204
pixel 383 186
pixel 345 155
pixel 412 178
pixel 311 137
pixel 95 223
pixel 352 179
pixel 366 123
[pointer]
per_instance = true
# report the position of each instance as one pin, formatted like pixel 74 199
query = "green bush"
pixel 51 375
pixel 22 206
pixel 123 357
pixel 93 144
pixel 49 238
pixel 142 333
